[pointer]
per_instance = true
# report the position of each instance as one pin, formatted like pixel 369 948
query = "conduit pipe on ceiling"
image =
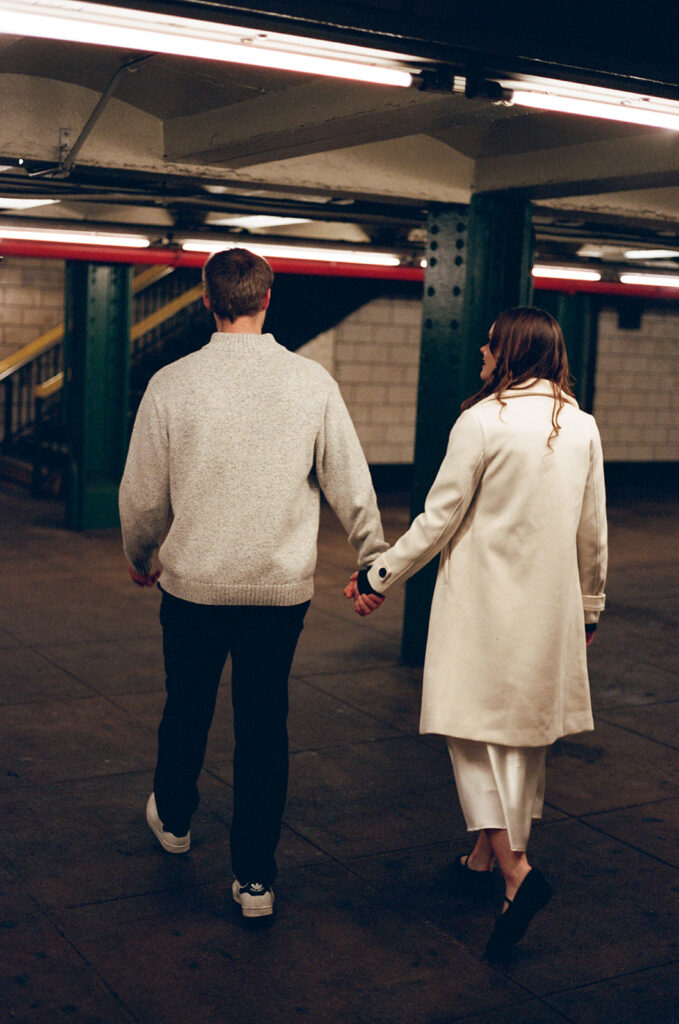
pixel 179 258
pixel 63 169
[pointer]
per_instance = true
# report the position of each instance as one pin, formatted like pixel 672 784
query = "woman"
pixel 517 512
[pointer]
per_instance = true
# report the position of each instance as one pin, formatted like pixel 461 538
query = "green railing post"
pixel 95 406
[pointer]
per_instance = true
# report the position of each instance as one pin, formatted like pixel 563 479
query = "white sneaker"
pixel 256 900
pixel 168 841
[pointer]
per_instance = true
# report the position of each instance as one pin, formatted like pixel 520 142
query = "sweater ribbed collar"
pixel 239 343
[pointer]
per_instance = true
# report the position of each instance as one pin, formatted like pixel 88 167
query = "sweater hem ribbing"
pixel 280 594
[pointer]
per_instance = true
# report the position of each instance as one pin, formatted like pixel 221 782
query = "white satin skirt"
pixel 499 787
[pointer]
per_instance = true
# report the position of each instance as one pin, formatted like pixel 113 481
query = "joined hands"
pixel 148 579
pixel 364 604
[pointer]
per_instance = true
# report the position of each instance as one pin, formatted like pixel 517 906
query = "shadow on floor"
pixel 98 926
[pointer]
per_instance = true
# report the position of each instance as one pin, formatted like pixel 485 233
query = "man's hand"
pixel 148 579
pixel 590 633
pixel 364 604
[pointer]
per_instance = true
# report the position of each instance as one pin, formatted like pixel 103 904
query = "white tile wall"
pixel 31 300
pixel 374 356
pixel 636 386
pixel 377 353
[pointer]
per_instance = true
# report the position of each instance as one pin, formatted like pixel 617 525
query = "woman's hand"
pixel 143 579
pixel 364 604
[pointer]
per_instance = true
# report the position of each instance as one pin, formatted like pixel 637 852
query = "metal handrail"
pixel 46 341
pixel 55 383
pixel 164 313
pixel 26 355
pixel 49 387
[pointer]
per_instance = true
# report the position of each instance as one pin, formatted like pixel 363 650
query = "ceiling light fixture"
pixel 566 273
pixel 292 252
pixel 651 254
pixel 9 203
pixel 74 237
pixel 258 221
pixel 586 101
pixel 651 280
pixel 104 25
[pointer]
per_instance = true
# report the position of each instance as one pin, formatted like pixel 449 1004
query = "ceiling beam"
pixel 650 159
pixel 314 117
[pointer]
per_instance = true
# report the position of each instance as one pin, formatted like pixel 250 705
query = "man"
pixel 231 448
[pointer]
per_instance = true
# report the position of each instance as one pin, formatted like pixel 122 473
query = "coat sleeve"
pixel 592 538
pixel 447 502
pixel 344 478
pixel 144 496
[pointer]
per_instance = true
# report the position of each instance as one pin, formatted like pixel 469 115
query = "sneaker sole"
pixel 263 911
pixel 182 847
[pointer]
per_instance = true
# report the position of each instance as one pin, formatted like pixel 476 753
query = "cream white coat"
pixel 522 533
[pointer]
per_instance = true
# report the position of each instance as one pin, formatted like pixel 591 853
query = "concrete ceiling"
pixel 183 142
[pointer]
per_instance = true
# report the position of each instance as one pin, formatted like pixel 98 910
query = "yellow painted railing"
pixel 29 352
pixel 165 312
pixel 50 338
pixel 49 387
pixel 55 383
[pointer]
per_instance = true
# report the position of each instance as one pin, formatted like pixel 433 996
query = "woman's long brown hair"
pixel 527 343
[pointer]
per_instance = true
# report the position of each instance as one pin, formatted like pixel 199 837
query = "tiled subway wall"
pixel 374 355
pixel 637 376
pixel 31 300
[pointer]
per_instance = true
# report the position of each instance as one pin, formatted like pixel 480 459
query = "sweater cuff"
pixel 363 584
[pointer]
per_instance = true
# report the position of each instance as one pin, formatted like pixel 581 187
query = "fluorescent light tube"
pixel 651 280
pixel 258 221
pixel 7 203
pixel 566 273
pixel 612 107
pixel 651 254
pixel 74 237
pixel 292 252
pixel 128 29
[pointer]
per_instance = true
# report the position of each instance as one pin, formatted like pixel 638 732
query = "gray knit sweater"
pixel 230 450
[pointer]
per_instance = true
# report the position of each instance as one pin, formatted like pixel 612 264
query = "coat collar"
pixel 534 387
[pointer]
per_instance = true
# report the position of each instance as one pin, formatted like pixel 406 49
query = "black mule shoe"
pixel 465 879
pixel 533 894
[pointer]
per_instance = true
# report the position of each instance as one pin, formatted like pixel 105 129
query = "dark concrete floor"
pixel 99 926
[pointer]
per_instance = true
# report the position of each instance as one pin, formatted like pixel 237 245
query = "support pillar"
pixel 578 315
pixel 96 363
pixel 439 393
pixel 478 263
pixel 499 264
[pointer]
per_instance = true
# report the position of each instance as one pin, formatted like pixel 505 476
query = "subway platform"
pixel 99 926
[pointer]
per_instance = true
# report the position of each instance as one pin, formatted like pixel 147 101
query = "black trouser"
pixel 197 640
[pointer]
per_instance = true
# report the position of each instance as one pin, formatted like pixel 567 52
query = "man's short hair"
pixel 236 282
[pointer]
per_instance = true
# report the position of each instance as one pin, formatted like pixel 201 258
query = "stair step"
pixel 16 470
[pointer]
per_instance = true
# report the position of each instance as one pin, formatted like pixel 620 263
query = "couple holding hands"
pixel 232 446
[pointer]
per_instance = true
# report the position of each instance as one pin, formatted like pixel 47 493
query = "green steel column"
pixel 96 360
pixel 478 263
pixel 578 314
pixel 439 393
pixel 500 260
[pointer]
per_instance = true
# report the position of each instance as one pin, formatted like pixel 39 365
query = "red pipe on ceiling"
pixel 180 258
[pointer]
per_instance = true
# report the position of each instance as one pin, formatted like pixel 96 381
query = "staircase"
pixel 169 319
